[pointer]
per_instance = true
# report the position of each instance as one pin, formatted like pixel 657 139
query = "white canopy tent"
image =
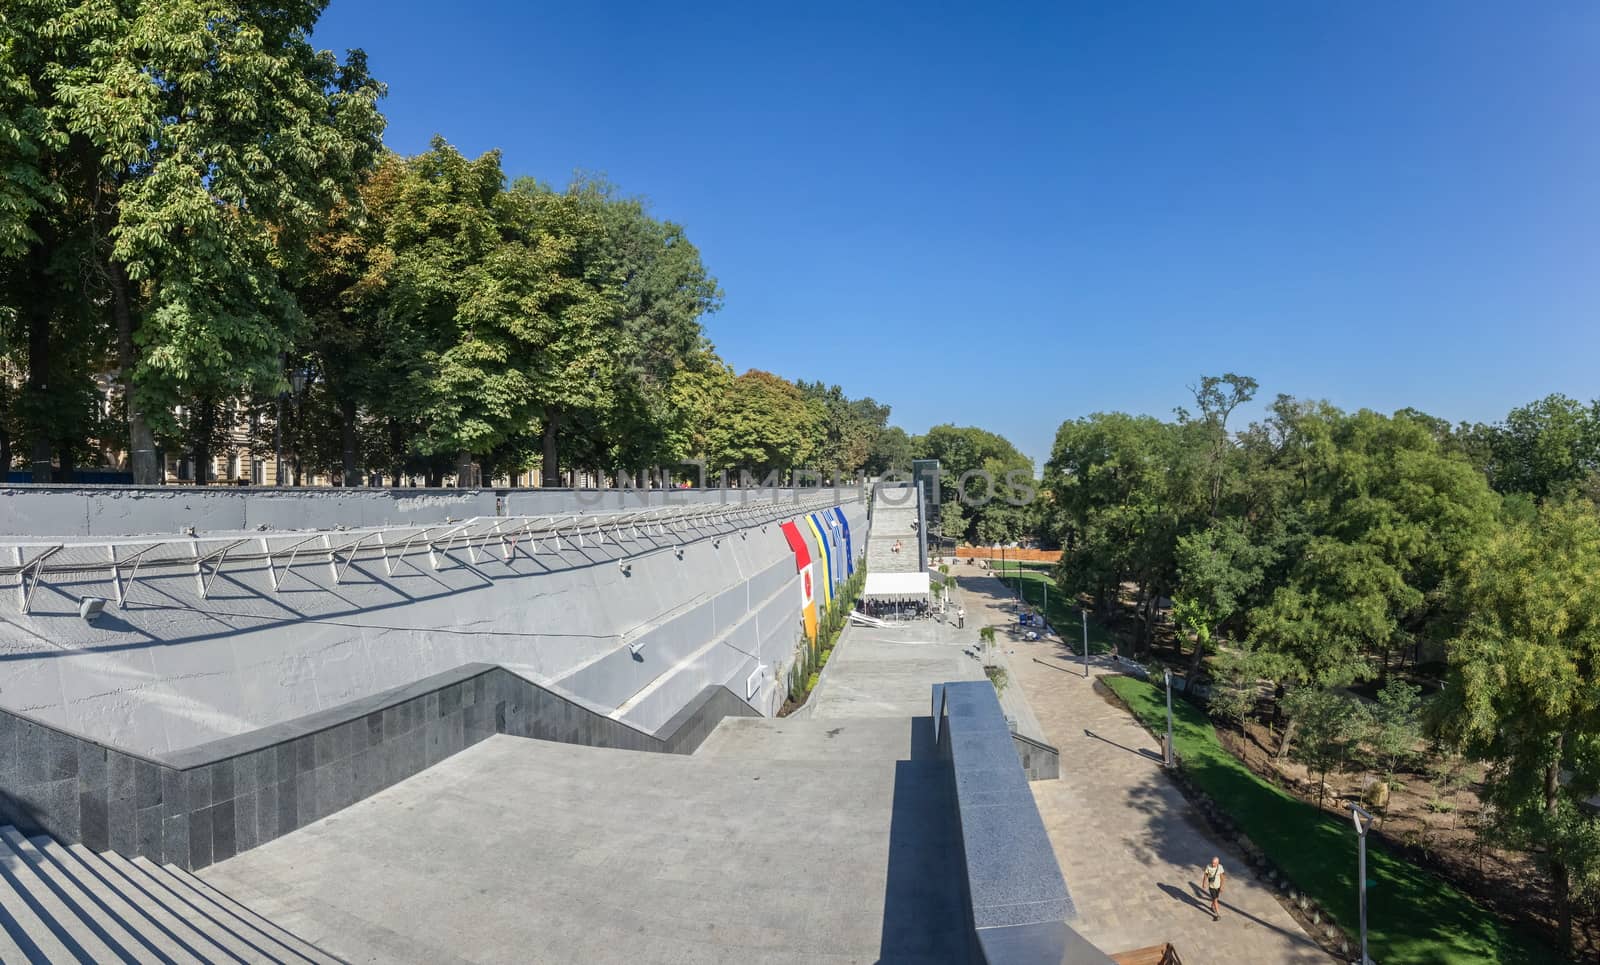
pixel 896 587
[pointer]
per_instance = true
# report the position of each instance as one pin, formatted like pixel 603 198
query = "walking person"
pixel 1212 878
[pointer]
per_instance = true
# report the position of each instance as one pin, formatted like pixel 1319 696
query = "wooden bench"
pixel 1154 955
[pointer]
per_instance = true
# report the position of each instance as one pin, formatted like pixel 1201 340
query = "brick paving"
pixel 1127 841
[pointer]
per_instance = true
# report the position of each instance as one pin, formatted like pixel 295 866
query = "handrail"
pixel 36 562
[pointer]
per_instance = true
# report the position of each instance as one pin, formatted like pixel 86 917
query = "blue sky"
pixel 1012 217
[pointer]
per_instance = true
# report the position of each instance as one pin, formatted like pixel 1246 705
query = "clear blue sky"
pixel 1012 218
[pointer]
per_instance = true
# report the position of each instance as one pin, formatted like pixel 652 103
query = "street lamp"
pixel 298 377
pixel 1084 619
pixel 1167 673
pixel 1362 820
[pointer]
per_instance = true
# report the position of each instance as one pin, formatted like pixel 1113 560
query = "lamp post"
pixel 1084 619
pixel 1167 673
pixel 297 382
pixel 277 444
pixel 1003 571
pixel 1362 820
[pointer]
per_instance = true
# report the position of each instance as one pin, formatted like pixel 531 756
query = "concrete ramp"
pixel 528 851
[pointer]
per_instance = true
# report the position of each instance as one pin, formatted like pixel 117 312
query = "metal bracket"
pixel 294 550
pixel 116 573
pixel 202 580
pixel 333 555
pixel 25 587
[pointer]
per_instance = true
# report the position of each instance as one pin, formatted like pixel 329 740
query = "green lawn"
pixel 1412 915
pixel 1037 589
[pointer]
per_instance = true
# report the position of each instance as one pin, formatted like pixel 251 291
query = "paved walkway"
pixel 1128 844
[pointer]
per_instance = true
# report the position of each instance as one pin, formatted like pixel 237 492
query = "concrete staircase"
pixel 65 903
pixel 894 519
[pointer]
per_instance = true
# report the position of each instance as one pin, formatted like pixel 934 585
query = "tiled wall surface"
pixel 211 802
pixel 1040 761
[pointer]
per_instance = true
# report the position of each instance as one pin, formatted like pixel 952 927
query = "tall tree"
pixel 658 289
pixel 1524 691
pixel 848 428
pixel 891 450
pixel 768 425
pixel 1544 448
pixel 203 139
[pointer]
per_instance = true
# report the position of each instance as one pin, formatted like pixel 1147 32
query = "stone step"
pixel 158 915
pixel 819 739
pixel 110 904
pixel 299 946
pixel 32 937
pixel 234 947
pixel 67 918
pixel 222 917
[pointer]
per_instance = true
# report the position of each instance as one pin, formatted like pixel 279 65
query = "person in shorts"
pixel 1211 878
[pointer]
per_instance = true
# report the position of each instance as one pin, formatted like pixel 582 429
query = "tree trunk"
pixel 1194 662
pixel 464 478
pixel 1560 883
pixel 203 425
pixel 347 435
pixel 141 440
pixel 38 387
pixel 69 468
pixel 1287 736
pixel 550 469
pixel 5 453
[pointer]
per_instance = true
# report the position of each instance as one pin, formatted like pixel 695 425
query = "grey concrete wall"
pixel 106 512
pixel 209 803
pixel 173 670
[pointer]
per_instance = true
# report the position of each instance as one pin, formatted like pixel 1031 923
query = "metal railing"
pixel 485 539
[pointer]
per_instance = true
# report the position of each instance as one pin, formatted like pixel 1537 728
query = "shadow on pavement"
pixel 1144 752
pixel 924 911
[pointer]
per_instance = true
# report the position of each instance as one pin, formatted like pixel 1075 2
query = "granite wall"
pixel 1016 898
pixel 207 803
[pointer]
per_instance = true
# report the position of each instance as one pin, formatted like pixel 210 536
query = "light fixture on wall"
pixel 626 567
pixel 636 648
pixel 90 608
pixel 679 551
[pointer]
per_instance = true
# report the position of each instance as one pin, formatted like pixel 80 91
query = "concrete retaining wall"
pixel 106 512
pixel 173 670
pixel 211 802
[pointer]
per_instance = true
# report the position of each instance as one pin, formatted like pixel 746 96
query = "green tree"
pixel 1329 724
pixel 768 425
pixel 196 144
pixel 891 449
pixel 658 290
pixel 1124 489
pixel 1523 694
pixel 847 428
pixel 700 390
pixel 1545 448
pixel 953 521
pixel 1216 567
pixel 1384 514
pixel 1396 726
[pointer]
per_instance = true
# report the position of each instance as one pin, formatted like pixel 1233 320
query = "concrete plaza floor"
pixel 1129 845
pixel 824 838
